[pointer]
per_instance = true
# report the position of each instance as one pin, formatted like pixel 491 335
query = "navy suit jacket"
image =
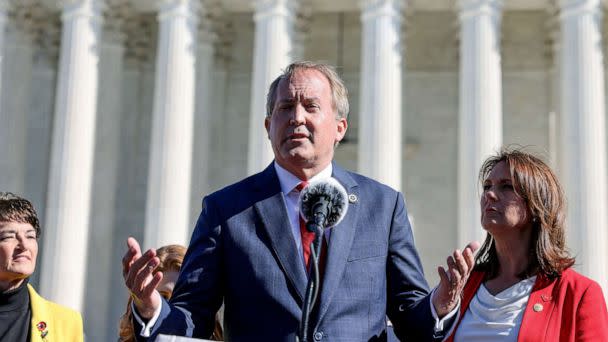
pixel 243 253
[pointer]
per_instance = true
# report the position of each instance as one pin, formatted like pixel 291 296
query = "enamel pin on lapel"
pixel 41 326
pixel 537 307
pixel 352 198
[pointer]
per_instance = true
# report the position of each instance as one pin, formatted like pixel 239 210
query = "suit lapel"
pixel 273 215
pixel 275 220
pixel 340 242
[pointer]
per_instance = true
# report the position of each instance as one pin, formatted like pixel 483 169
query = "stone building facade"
pixel 117 116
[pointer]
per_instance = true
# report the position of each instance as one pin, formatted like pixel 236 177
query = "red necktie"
pixel 308 237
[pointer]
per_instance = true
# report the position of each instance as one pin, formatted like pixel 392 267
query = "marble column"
pixel 63 265
pixel 480 110
pixel 272 52
pixel 169 177
pixel 380 142
pixel 201 161
pixel 583 134
pixel 106 162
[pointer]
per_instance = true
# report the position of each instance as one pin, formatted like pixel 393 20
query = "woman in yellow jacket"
pixel 24 315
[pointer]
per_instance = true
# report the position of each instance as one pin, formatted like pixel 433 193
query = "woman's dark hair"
pixel 534 181
pixel 14 208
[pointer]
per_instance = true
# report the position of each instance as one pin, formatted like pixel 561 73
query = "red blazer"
pixel 567 309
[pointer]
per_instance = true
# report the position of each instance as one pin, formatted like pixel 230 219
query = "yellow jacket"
pixel 52 322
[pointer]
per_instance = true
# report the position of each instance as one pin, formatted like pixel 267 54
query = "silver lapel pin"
pixel 352 198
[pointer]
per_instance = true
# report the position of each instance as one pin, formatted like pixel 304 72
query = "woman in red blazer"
pixel 523 287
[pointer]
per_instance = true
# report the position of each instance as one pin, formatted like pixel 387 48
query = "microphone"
pixel 323 203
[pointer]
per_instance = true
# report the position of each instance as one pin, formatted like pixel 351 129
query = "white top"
pixel 495 318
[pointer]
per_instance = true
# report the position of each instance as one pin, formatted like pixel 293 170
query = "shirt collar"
pixel 289 181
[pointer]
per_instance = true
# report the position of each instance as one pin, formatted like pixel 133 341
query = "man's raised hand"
pixel 140 279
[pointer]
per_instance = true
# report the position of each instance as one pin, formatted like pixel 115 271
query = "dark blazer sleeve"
pixel 408 303
pixel 197 295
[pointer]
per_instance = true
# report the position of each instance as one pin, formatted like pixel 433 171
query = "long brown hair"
pixel 536 183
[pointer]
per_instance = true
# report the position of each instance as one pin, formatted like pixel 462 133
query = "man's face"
pixel 304 128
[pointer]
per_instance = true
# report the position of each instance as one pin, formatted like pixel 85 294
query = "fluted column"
pixel 201 160
pixel 106 162
pixel 583 135
pixel 480 111
pixel 380 95
pixel 69 196
pixel 272 52
pixel 168 200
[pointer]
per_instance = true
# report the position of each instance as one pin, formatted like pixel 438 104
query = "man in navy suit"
pixel 246 249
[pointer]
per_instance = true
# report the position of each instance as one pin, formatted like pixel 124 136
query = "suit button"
pixel 318 336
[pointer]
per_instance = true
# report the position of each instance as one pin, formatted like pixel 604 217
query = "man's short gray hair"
pixel 339 92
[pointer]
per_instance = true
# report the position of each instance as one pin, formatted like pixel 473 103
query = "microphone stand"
pixel 312 288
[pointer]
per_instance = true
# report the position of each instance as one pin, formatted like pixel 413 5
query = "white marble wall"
pixel 527 81
pixel 39 134
pixel 16 81
pixel 230 159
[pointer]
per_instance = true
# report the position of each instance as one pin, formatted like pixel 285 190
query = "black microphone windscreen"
pixel 332 191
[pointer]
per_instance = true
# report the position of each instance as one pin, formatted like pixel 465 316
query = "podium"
pixel 173 338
